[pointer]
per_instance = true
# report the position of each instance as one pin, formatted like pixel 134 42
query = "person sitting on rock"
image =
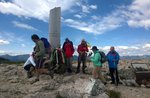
pixel 38 54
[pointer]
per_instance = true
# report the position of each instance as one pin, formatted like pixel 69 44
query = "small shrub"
pixel 114 94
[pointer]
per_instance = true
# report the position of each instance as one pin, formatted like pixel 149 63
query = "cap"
pixel 94 48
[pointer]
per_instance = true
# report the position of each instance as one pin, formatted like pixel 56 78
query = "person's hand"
pixel 88 58
pixel 90 54
pixel 80 52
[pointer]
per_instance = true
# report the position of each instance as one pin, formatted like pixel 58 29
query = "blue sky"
pixel 124 24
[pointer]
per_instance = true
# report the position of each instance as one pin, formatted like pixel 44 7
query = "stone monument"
pixel 54 27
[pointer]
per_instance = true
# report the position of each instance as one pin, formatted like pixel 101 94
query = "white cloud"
pixel 88 8
pixel 134 50
pixel 99 26
pixel 23 45
pixel 78 16
pixel 146 46
pixel 4 42
pixel 12 53
pixel 93 7
pixel 2 52
pixel 24 26
pixel 138 14
pixel 11 37
pixel 96 17
pixel 38 9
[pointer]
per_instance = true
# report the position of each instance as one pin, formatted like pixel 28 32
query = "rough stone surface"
pixel 14 84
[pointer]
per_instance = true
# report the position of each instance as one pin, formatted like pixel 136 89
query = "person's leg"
pixel 111 70
pixel 27 68
pixel 38 65
pixel 69 65
pixel 45 71
pixel 117 78
pixel 84 64
pixel 79 62
pixel 94 73
pixel 100 75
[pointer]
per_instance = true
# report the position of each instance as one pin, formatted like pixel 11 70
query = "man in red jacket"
pixel 69 50
pixel 82 50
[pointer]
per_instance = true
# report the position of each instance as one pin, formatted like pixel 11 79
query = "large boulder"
pixel 87 88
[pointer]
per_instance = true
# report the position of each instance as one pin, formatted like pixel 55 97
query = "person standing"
pixel 96 59
pixel 113 60
pixel 82 51
pixel 69 50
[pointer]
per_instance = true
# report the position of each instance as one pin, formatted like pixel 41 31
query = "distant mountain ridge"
pixel 136 57
pixel 15 58
pixel 75 57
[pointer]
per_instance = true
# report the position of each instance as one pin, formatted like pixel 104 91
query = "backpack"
pixel 46 43
pixel 103 57
pixel 58 60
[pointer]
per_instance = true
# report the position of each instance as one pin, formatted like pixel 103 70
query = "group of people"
pixel 43 51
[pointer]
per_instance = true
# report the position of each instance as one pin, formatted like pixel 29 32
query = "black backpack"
pixel 103 57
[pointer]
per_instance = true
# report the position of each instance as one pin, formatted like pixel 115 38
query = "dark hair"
pixel 34 36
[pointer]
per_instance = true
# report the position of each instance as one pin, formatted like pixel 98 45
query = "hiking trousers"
pixel 69 64
pixel 113 74
pixel 83 60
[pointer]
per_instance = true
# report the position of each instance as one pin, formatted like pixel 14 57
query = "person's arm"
pixel 64 46
pixel 87 50
pixel 117 58
pixel 72 49
pixel 108 57
pixel 96 58
pixel 79 49
pixel 42 49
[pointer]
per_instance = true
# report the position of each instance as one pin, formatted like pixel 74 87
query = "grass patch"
pixel 113 94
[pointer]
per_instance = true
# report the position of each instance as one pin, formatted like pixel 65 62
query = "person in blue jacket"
pixel 113 60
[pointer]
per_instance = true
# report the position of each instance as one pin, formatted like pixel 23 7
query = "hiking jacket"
pixel 68 49
pixel 39 50
pixel 96 59
pixel 82 49
pixel 113 59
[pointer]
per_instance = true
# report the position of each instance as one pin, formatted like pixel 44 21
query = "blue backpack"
pixel 46 43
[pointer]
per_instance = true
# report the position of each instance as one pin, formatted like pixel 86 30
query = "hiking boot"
pixel 37 79
pixel 29 75
pixel 105 83
pixel 78 71
pixel 69 70
pixel 51 74
pixel 84 72
pixel 119 82
pixel 112 83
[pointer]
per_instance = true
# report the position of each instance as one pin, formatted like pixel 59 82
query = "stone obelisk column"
pixel 54 27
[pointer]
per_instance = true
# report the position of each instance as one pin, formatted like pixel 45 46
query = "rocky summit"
pixel 15 84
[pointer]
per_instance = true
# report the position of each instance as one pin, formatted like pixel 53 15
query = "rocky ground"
pixel 14 84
